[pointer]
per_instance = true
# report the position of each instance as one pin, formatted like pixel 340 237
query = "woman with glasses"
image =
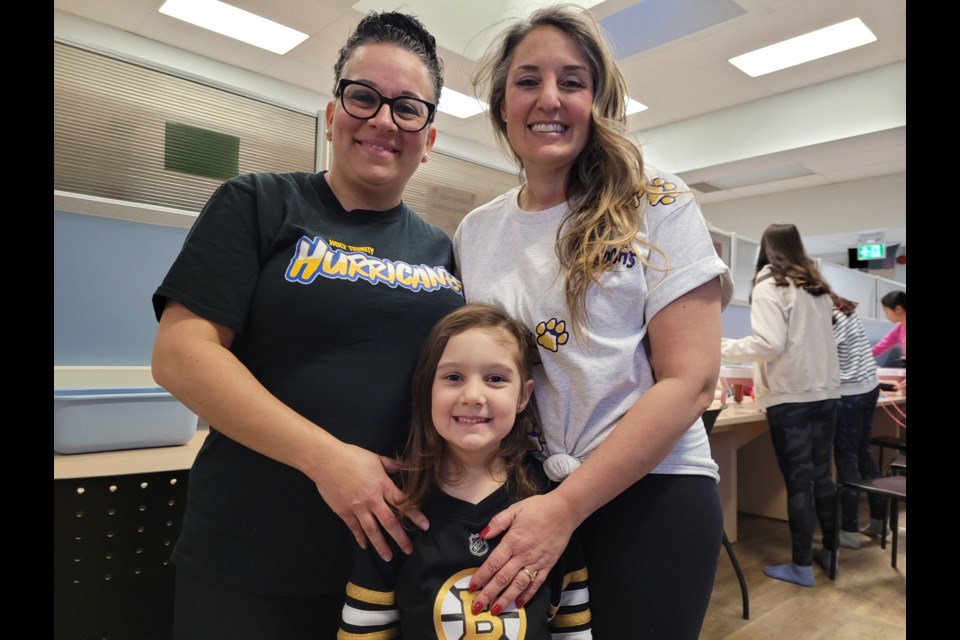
pixel 291 323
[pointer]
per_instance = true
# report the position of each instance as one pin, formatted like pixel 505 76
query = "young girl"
pixel 797 383
pixel 465 460
pixel 895 308
pixel 859 390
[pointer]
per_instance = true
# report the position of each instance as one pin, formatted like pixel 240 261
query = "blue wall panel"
pixel 105 272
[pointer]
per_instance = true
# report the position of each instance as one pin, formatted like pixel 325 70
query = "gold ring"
pixel 530 574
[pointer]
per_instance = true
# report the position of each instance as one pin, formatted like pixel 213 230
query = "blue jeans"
pixel 852 455
pixel 802 434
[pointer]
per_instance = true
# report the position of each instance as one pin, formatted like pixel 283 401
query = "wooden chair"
pixel 893 489
pixel 898 466
pixel 888 442
pixel 709 418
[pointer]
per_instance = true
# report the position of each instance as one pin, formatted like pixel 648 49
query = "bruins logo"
pixel 453 620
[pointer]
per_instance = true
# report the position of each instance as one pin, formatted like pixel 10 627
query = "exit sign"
pixel 871 252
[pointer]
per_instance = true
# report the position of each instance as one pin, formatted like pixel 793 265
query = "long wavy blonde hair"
pixel 606 186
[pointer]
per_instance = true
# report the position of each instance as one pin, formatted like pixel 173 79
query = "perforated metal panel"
pixel 112 540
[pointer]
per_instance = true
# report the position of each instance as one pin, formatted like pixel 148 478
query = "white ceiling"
pixel 825 122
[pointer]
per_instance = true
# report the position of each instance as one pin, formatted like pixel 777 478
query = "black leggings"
pixel 652 558
pixel 802 434
pixel 852 454
pixel 206 611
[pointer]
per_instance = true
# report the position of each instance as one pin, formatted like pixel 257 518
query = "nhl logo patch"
pixel 478 546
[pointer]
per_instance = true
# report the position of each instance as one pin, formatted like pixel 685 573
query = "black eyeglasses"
pixel 362 101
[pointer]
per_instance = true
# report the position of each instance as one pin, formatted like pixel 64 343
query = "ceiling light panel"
pixel 635 107
pixel 235 23
pixel 459 104
pixel 810 46
pixel 630 32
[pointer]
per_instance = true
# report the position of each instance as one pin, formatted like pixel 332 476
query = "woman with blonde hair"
pixel 610 265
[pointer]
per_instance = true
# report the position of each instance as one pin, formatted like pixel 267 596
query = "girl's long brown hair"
pixel 847 307
pixel 420 463
pixel 782 248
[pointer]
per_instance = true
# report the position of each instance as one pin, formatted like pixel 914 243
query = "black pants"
pixel 852 454
pixel 206 611
pixel 652 557
pixel 802 434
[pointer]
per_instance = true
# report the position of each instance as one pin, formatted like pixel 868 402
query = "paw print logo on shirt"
pixel 552 333
pixel 655 193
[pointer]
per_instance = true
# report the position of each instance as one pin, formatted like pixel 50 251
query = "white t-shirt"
pixel 586 383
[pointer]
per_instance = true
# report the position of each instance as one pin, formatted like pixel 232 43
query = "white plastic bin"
pixel 732 380
pixel 737 374
pixel 891 375
pixel 89 420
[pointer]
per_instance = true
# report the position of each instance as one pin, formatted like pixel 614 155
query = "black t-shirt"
pixel 330 309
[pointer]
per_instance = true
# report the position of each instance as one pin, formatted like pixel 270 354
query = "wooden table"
pixel 740 453
pixel 118 463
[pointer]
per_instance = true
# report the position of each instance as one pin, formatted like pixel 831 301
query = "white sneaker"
pixel 874 529
pixel 850 539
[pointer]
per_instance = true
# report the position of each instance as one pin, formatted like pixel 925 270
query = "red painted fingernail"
pixel 485 531
pixel 496 610
pixel 520 603
pixel 477 607
pixel 472 587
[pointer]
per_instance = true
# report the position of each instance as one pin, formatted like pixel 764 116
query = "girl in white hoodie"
pixel 796 379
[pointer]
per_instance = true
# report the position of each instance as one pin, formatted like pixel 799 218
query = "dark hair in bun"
pixel 400 29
